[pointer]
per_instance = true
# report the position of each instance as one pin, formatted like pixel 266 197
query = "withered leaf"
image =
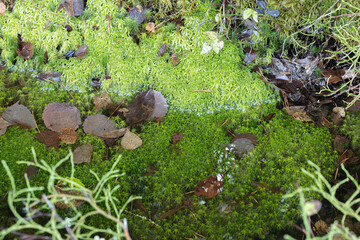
pixel 299 113
pixel 141 107
pixel 115 133
pixel 98 125
pixel 68 135
pixel 81 52
pixel 130 141
pixel 50 76
pixel 83 154
pixel 24 49
pixel 30 171
pixel 58 115
pixel 72 7
pixel 3 126
pixel 150 27
pixel 46 58
pixel 160 107
pixel 210 186
pixel 101 101
pixel 2 8
pixel 49 138
pixel 176 137
pixel 176 61
pixel 137 204
pixel 333 75
pixel 162 50
pixel 19 114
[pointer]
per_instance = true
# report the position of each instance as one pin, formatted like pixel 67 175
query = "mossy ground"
pixel 235 94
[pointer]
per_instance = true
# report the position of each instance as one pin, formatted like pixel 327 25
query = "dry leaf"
pixel 19 114
pixel 115 133
pixel 176 137
pixel 58 115
pixel 299 113
pixel 101 101
pixel 68 135
pixel 176 61
pixel 130 141
pixel 140 108
pixel 333 75
pixel 83 154
pixel 24 49
pixel 250 55
pixel 81 52
pixel 210 186
pixel 162 50
pixel 49 138
pixel 72 7
pixel 150 27
pixel 2 8
pixel 3 126
pixel 98 125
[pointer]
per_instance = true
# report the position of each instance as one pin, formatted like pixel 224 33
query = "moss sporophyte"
pixel 208 97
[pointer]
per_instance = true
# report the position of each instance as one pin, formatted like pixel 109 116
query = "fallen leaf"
pixel 115 133
pixel 50 76
pixel 83 154
pixel 72 7
pixel 68 135
pixel 140 108
pixel 130 141
pixel 68 28
pixel 2 8
pixel 137 204
pixel 3 126
pixel 24 49
pixel 176 137
pixel 249 136
pixel 150 27
pixel 58 115
pixel 162 50
pixel 81 52
pixel 46 58
pixel 49 138
pixel 151 169
pixel 160 106
pixel 101 101
pixel 210 186
pixel 321 227
pixel 19 114
pixel 108 17
pixel 138 14
pixel 30 171
pixel 98 125
pixel 273 12
pixel 333 75
pixel 240 146
pixel 340 143
pixel 298 113
pixel 337 115
pixel 95 27
pixel 69 54
pixel 176 61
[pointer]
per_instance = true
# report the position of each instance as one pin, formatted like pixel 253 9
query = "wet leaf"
pixel 176 61
pixel 140 108
pixel 130 141
pixel 249 136
pixel 273 12
pixel 31 171
pixel 261 4
pixel 83 154
pixel 24 49
pixel 240 146
pixel 68 135
pixel 101 101
pixel 49 75
pixel 19 114
pixel 162 50
pixel 176 137
pixel 49 138
pixel 98 125
pixel 206 48
pixel 312 207
pixel 81 52
pixel 150 27
pixel 58 115
pixel 333 75
pixel 160 106
pixel 210 186
pixel 72 7
pixel 2 8
pixel 138 13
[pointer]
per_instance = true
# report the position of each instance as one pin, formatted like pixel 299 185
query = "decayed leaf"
pixel 83 154
pixel 30 171
pixel 72 7
pixel 49 138
pixel 160 106
pixel 24 49
pixel 176 137
pixel 101 101
pixel 176 61
pixel 68 135
pixel 2 8
pixel 210 186
pixel 141 107
pixel 138 13
pixel 130 141
pixel 19 114
pixel 299 113
pixel 58 115
pixel 3 126
pixel 98 125
pixel 162 50
pixel 334 75
pixel 115 133
pixel 49 75
pixel 81 52
pixel 150 27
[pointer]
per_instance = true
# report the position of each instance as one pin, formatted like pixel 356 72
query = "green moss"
pixel 351 128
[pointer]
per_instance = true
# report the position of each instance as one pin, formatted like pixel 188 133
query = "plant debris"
pixel 49 138
pixel 24 49
pixel 176 137
pixel 99 125
pixel 138 13
pixel 101 101
pixel 59 115
pixel 3 126
pixel 31 171
pixel 140 108
pixel 81 52
pixel 49 76
pixel 130 141
pixel 150 27
pixel 83 154
pixel 210 186
pixel 162 50
pixel 68 135
pixel 20 115
pixel 72 7
pixel 160 106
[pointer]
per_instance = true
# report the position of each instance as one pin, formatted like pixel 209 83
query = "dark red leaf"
pixel 210 186
pixel 49 138
pixel 24 49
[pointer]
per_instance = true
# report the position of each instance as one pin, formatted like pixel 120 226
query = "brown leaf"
pixel 151 169
pixel 46 58
pixel 130 141
pixel 81 52
pixel 334 75
pixel 141 107
pixel 115 133
pixel 137 204
pixel 72 7
pixel 98 125
pixel 249 136
pixel 176 137
pixel 19 114
pixel 3 126
pixel 176 61
pixel 30 171
pixel 337 115
pixel 49 138
pixel 68 135
pixel 150 27
pixel 210 186
pixel 339 143
pixel 62 204
pixel 58 115
pixel 95 27
pixel 49 76
pixel 101 101
pixel 298 113
pixel 68 28
pixel 2 8
pixel 83 154
pixel 108 17
pixel 24 49
pixel 162 50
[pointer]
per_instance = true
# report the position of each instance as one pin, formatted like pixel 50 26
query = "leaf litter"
pixel 59 115
pixel 20 115
pixel 83 153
